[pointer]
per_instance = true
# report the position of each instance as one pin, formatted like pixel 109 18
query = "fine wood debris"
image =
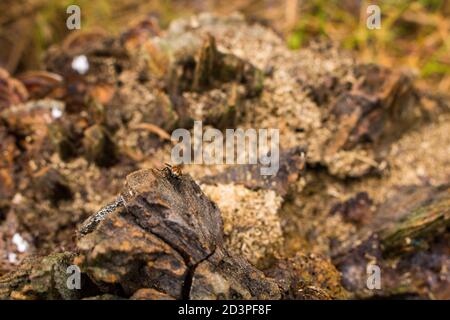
pixel 363 171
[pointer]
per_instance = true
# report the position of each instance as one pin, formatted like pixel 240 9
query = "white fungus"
pixel 56 113
pixel 21 243
pixel 12 257
pixel 80 64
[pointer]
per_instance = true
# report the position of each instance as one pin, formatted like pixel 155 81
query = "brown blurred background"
pixel 414 34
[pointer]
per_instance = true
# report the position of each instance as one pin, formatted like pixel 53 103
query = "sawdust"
pixel 252 226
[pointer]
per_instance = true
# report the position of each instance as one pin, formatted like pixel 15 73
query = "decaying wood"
pixel 238 234
pixel 291 162
pixel 169 221
pixel 412 233
pixel 426 221
pixel 164 241
pixel 39 278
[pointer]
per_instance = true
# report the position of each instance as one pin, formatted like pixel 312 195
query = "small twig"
pixel 152 128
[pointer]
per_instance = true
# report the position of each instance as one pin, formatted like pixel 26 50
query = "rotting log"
pixel 163 240
pixel 167 236
pixel 406 249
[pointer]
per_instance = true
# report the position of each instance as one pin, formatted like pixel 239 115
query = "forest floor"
pixel 363 179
